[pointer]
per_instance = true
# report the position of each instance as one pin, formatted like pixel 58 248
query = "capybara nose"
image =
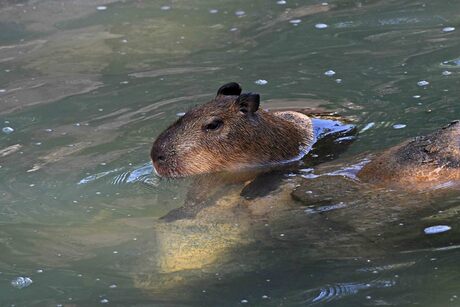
pixel 157 155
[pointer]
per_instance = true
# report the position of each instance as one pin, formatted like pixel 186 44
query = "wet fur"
pixel 419 163
pixel 245 140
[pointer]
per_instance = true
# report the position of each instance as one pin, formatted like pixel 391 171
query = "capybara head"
pixel 228 133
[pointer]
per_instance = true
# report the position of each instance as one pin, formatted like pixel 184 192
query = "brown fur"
pixel 244 140
pixel 419 163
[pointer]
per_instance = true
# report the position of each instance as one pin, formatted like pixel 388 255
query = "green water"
pixel 87 90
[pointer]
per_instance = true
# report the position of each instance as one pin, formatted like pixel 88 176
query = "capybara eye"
pixel 214 125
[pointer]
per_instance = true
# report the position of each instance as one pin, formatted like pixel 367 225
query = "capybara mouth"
pixel 163 171
pixel 167 171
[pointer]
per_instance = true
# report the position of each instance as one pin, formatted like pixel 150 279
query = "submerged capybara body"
pixel 230 133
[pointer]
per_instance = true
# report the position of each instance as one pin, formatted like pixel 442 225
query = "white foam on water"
pixel 261 82
pixel 448 29
pixel 7 130
pixel 21 282
pixel 436 229
pixel 399 126
pixel 295 21
pixel 423 83
pixel 321 26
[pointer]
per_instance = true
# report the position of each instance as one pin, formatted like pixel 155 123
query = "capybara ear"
pixel 248 103
pixel 229 89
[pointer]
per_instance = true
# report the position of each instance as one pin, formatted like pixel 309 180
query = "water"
pixel 86 86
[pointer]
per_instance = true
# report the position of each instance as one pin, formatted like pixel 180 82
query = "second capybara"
pixel 419 163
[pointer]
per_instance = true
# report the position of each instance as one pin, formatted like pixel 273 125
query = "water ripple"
pixel 337 291
pixel 142 173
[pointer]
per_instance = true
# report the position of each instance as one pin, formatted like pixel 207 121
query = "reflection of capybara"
pixel 230 133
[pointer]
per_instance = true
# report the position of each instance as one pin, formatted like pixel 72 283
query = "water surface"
pixel 88 85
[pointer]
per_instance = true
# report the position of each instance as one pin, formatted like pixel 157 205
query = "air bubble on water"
pixel 448 29
pixel 281 2
pixel 329 73
pixel 101 8
pixel 436 229
pixel 446 73
pixel 2 90
pixel 399 126
pixel 21 282
pixel 7 130
pixel 295 21
pixel 240 13
pixel 338 81
pixel 104 301
pixel 113 286
pixel 213 11
pixel 233 29
pixel 324 4
pixel 165 8
pixel 416 96
pixel 115 252
pixel 423 83
pixel 321 26
pixel 261 82
pixel 180 114
pixel 244 301
pixel 265 297
pixel 124 82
